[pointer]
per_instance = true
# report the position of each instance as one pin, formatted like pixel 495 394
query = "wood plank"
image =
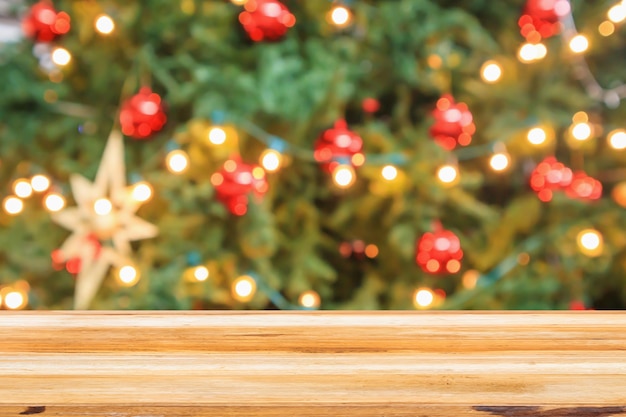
pixel 313 364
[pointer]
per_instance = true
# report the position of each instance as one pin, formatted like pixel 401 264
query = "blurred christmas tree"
pixel 363 155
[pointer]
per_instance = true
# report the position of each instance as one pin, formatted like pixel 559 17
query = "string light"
pixel 470 279
pixel 243 288
pixel 15 300
pixel 590 242
pixel 128 275
pixel 581 131
pixel 580 117
pixel 536 136
pixel 217 135
pixel 177 161
pixel 201 273
pixel 54 202
pixel 309 299
pixel 40 183
pixel 22 188
pixel 423 297
pixel 271 160
pixel 340 16
pixel 13 205
pixel 448 174
pixel 617 13
pixel 104 24
pixel 61 56
pixel 142 192
pixel 617 139
pixel 344 176
pixel 389 172
pixel 530 52
pixel 102 206
pixel 606 28
pixel 491 72
pixel 499 161
pixel 579 44
pixel 239 2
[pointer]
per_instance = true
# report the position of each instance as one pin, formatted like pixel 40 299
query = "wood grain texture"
pixel 313 364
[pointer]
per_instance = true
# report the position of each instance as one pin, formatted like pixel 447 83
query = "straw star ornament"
pixel 105 209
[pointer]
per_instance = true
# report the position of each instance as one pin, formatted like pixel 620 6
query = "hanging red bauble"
pixel 235 182
pixel 584 187
pixel 548 176
pixel 338 145
pixel 540 18
pixel 73 265
pixel 439 252
pixel 266 20
pixel 453 123
pixel 142 114
pixel 44 24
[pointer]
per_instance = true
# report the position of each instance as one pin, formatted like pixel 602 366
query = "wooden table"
pixel 200 364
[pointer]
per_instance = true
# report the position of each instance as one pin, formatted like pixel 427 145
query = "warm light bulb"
pixel 40 183
pixel 340 16
pixel 344 176
pixel 470 279
pixel 617 13
pixel 536 136
pixel 271 160
pixel 142 192
pixel 104 24
pixel 580 117
pixel 617 139
pixel 217 135
pixel 243 288
pixel 239 2
pixel 102 206
pixel 54 202
pixel 491 72
pixel 581 131
pixel 606 28
pixel 309 299
pixel 177 161
pixel 540 51
pixel 423 298
pixel 448 174
pixel 22 188
pixel 201 273
pixel 128 275
pixel 590 242
pixel 499 162
pixel 14 300
pixel 389 172
pixel 61 56
pixel 532 52
pixel 579 44
pixel 13 205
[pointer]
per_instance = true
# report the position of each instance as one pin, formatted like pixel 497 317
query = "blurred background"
pixel 266 154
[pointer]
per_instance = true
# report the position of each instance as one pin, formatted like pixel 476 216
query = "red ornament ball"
pixel 577 305
pixel 540 18
pixel 142 114
pixel 584 187
pixel 236 182
pixel 266 20
pixel 73 265
pixel 453 123
pixel 370 105
pixel 439 252
pixel 44 24
pixel 550 175
pixel 336 145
